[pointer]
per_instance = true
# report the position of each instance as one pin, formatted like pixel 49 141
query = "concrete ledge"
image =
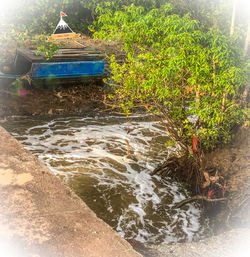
pixel 40 216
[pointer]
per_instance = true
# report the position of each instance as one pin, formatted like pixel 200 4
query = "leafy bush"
pixel 45 47
pixel 194 78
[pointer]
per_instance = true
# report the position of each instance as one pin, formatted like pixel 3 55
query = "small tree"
pixel 192 79
pixel 175 69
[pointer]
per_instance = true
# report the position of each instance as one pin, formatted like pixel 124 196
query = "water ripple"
pixel 90 155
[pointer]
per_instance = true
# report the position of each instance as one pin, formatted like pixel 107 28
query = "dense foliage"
pixel 194 77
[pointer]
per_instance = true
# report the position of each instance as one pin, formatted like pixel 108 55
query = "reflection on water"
pixel 90 154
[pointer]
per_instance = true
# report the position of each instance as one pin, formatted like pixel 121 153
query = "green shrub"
pixel 175 68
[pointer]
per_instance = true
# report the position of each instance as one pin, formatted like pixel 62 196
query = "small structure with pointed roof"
pixel 63 30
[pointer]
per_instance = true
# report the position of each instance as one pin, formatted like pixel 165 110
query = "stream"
pixel 90 154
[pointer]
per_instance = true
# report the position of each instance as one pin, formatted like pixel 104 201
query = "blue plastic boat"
pixel 66 66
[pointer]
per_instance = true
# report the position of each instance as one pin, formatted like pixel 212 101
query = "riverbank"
pixel 232 162
pixel 67 99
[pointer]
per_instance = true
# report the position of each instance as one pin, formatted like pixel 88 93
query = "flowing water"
pixel 90 154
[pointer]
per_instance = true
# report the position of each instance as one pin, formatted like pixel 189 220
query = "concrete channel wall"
pixel 41 217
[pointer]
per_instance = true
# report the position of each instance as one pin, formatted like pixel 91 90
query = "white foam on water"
pixel 137 204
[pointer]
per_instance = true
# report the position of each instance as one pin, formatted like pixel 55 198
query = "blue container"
pixel 68 69
pixel 66 66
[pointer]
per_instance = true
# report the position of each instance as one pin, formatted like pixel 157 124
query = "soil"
pixel 63 99
pixel 232 162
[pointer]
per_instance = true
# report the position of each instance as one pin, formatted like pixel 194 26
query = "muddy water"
pixel 90 154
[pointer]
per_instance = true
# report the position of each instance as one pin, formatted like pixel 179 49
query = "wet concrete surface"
pixel 41 217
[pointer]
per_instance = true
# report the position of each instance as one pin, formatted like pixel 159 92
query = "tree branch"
pixel 198 197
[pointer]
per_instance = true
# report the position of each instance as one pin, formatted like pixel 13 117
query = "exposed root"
pixel 184 167
pixel 203 181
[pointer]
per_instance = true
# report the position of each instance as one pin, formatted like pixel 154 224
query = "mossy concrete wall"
pixel 40 216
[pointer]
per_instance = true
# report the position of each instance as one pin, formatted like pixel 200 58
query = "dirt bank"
pixel 64 99
pixel 232 162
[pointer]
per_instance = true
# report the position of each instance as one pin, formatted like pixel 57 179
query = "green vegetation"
pixel 180 61
pixel 46 47
pixel 192 75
